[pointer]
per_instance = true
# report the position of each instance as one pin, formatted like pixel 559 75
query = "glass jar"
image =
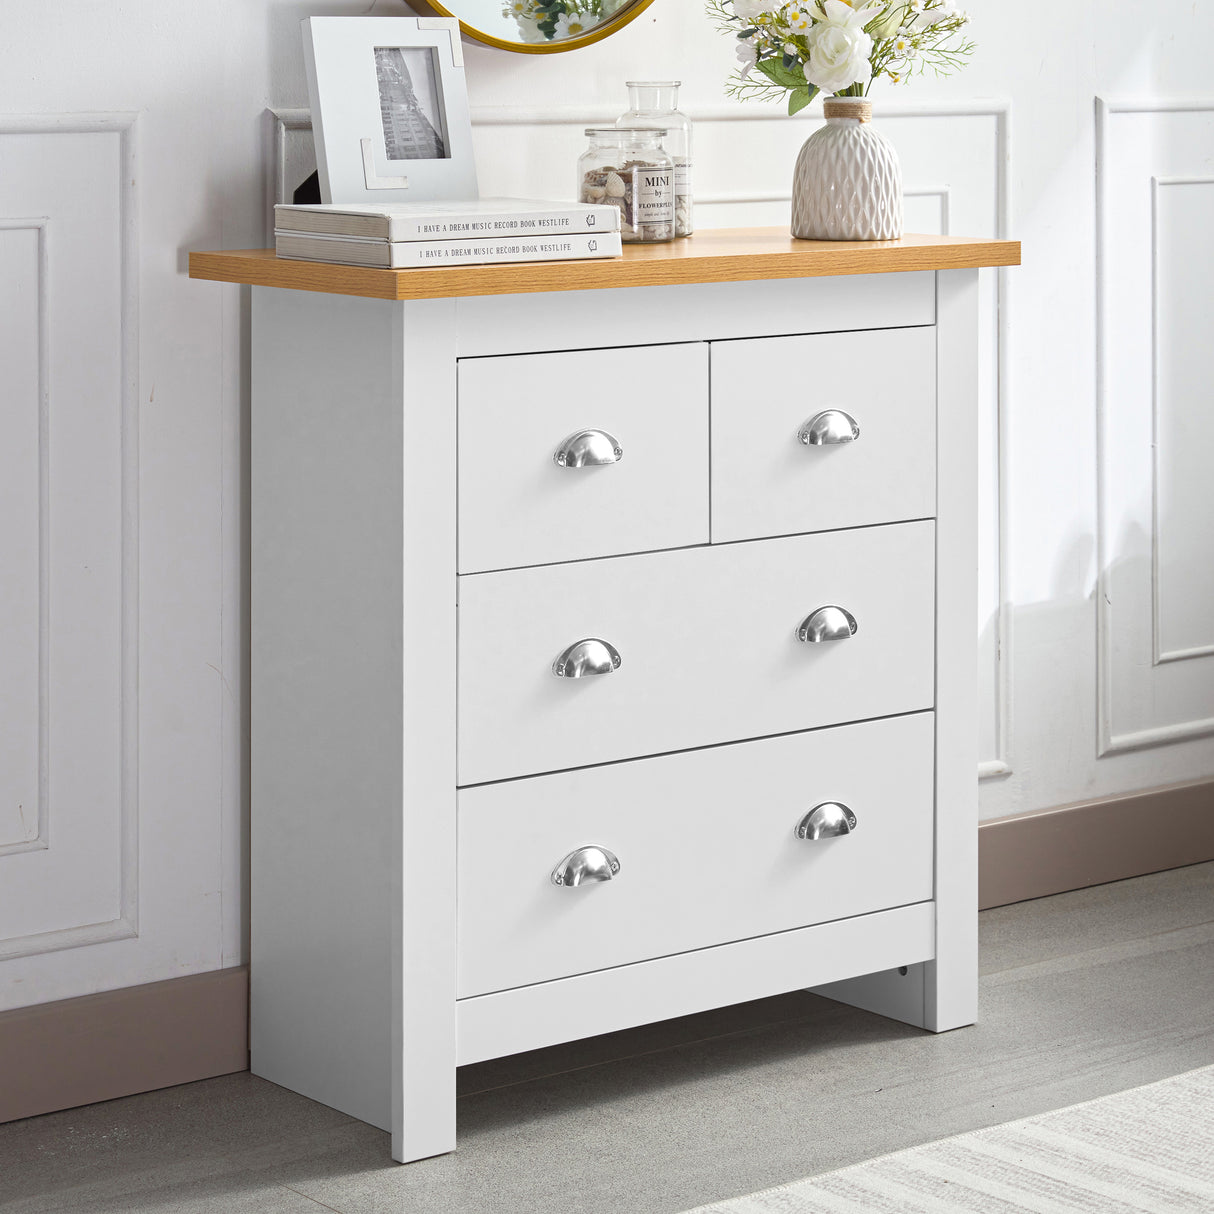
pixel 655 104
pixel 628 168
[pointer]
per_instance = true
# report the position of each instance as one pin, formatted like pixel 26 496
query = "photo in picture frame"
pixel 389 109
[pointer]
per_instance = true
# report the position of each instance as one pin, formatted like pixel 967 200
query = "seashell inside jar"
pixel 628 168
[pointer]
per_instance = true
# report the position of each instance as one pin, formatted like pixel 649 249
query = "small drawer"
pixel 785 455
pixel 707 849
pixel 693 647
pixel 527 499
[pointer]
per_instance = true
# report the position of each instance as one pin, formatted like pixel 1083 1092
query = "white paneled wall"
pixel 69 530
pixel 1156 418
pixel 123 411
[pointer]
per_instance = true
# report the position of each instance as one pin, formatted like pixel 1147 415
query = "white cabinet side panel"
pixel 326 711
pixel 423 918
pixel 951 989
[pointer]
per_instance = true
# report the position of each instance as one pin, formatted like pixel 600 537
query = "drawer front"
pixel 767 481
pixel 706 846
pixel 517 506
pixel 708 648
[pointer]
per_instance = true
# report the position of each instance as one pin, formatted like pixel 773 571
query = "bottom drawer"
pixel 707 850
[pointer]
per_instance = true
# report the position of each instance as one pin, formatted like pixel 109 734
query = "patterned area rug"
pixel 1146 1151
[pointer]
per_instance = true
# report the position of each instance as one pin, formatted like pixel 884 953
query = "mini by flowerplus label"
pixel 654 196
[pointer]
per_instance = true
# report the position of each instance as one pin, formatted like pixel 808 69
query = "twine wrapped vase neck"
pixel 848 182
pixel 848 107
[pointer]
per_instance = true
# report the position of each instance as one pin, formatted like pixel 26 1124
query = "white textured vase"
pixel 848 182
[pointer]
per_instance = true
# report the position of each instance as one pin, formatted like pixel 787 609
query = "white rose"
pixel 847 13
pixel 838 57
pixel 748 10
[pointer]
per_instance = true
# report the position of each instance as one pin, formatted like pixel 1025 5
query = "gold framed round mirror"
pixel 536 27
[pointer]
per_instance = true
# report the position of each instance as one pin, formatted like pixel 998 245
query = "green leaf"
pixel 798 99
pixel 786 77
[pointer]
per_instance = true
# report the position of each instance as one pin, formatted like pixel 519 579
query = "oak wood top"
pixel 712 255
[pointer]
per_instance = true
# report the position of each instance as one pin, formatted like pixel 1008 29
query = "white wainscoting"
pixel 1155 272
pixel 962 155
pixel 68 533
pixel 24 601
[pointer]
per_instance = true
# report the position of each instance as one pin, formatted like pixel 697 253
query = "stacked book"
pixel 396 235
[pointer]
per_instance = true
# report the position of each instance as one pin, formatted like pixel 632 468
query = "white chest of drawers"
pixel 457 854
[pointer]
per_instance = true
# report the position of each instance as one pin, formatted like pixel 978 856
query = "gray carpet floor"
pixel 1082 995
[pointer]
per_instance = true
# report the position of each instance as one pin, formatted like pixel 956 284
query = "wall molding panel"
pixel 294 158
pixel 84 858
pixel 1150 692
pixel 1160 188
pixel 34 821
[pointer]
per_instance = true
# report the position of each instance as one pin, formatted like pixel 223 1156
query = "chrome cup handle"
pixel 829 428
pixel 826 821
pixel 589 863
pixel 829 623
pixel 587 657
pixel 588 448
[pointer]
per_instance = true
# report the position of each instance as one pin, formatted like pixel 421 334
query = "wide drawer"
pixel 707 850
pixel 708 648
pixel 519 506
pixel 784 459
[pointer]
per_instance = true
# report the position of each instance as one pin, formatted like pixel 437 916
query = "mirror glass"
pixel 539 25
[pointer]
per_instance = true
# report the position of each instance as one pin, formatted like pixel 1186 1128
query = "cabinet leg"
pixel 424 1124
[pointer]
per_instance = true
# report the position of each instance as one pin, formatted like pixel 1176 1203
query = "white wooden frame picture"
pixel 389 109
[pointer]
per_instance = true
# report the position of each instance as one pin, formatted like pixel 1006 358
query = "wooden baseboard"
pixel 1032 855
pixel 78 1051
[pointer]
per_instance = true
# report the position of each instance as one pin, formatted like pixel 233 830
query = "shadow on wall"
pixel 1056 635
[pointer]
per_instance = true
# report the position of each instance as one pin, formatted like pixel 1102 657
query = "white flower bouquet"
pixel 838 47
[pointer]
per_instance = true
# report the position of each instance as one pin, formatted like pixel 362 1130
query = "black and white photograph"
pixel 389 110
pixel 409 103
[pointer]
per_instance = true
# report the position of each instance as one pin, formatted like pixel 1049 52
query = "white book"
pixel 402 254
pixel 462 219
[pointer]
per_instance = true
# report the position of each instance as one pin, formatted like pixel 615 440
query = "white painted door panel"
pixel 1157 594
pixel 765 481
pixel 67 863
pixel 708 643
pixel 517 507
pixel 706 847
pixel 21 812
